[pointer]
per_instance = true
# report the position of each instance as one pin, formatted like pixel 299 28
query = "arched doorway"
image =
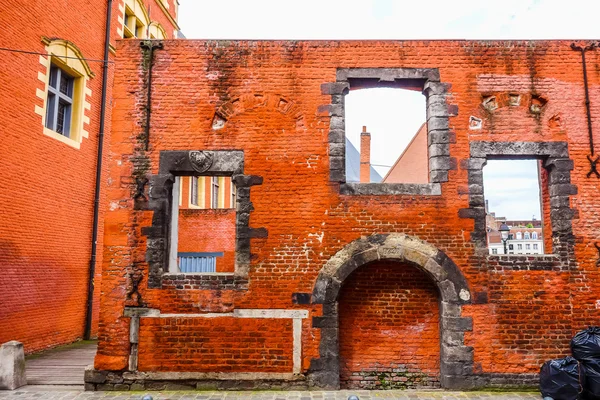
pixel 455 359
pixel 389 328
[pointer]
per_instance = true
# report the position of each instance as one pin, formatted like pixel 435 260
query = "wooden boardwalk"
pixel 61 366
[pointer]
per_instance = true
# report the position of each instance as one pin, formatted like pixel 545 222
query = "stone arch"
pixel 456 359
pixel 246 102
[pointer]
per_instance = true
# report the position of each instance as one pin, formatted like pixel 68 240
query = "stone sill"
pixel 377 189
pixel 204 280
pixel 184 275
pixel 523 258
pixel 529 262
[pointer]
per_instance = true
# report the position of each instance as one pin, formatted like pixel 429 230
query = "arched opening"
pixel 389 328
pixel 455 359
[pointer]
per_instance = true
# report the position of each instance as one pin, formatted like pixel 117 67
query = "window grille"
pixel 198 262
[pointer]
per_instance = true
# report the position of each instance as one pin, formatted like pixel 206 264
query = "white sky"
pixel 512 188
pixel 392 122
pixel 508 188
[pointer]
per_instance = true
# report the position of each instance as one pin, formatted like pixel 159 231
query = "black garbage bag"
pixel 591 388
pixel 585 346
pixel 562 379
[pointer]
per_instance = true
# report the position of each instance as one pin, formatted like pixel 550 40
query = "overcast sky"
pixel 511 187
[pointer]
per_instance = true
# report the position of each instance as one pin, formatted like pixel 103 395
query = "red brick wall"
pixel 389 328
pixel 215 344
pixel 273 93
pixel 209 231
pixel 528 320
pixel 47 186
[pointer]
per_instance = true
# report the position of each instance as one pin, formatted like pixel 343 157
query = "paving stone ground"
pixel 55 393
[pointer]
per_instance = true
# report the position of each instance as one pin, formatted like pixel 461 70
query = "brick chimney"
pixel 365 156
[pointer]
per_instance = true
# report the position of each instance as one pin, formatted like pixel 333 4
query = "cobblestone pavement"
pixel 54 393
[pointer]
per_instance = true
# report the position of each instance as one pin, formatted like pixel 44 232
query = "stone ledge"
pixel 96 380
pixel 368 189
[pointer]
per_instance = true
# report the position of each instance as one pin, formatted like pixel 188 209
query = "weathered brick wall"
pixel 211 230
pixel 276 101
pixel 193 345
pixel 389 328
pixel 47 193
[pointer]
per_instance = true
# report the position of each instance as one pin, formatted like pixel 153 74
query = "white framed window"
pixel 494 251
pixel 65 77
pixel 527 235
pixel 135 20
pixel 156 31
pixel 534 235
pixel 519 247
pixel 214 190
pixel 535 246
pixel 519 236
pixel 527 246
pixel 194 191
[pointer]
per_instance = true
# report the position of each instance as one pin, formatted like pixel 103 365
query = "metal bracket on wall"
pixel 149 46
pixel 140 189
pixel 593 161
pixel 593 166
pixel 135 279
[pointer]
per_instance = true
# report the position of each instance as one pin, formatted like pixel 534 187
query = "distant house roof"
pixel 413 164
pixel 353 165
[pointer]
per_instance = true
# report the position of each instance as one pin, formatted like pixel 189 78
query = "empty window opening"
pixel 203 225
pixel 386 134
pixel 513 194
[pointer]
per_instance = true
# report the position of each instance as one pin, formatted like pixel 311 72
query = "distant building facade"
pixel 521 240
pixel 524 236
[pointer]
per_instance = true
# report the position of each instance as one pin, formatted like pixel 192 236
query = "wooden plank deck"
pixel 61 366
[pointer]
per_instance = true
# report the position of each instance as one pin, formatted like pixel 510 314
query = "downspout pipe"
pixel 92 268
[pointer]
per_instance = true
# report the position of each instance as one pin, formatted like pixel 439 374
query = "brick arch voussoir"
pixel 456 359
pixel 446 275
pixel 252 101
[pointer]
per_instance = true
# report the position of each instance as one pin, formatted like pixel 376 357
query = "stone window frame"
pixel 198 163
pixel 439 135
pixel 69 59
pixel 134 12
pixel 556 161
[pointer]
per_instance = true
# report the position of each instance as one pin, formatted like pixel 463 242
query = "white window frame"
pixel 68 59
pixel 214 192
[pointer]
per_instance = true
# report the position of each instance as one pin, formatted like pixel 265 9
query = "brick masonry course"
pixel 54 394
pixel 301 231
